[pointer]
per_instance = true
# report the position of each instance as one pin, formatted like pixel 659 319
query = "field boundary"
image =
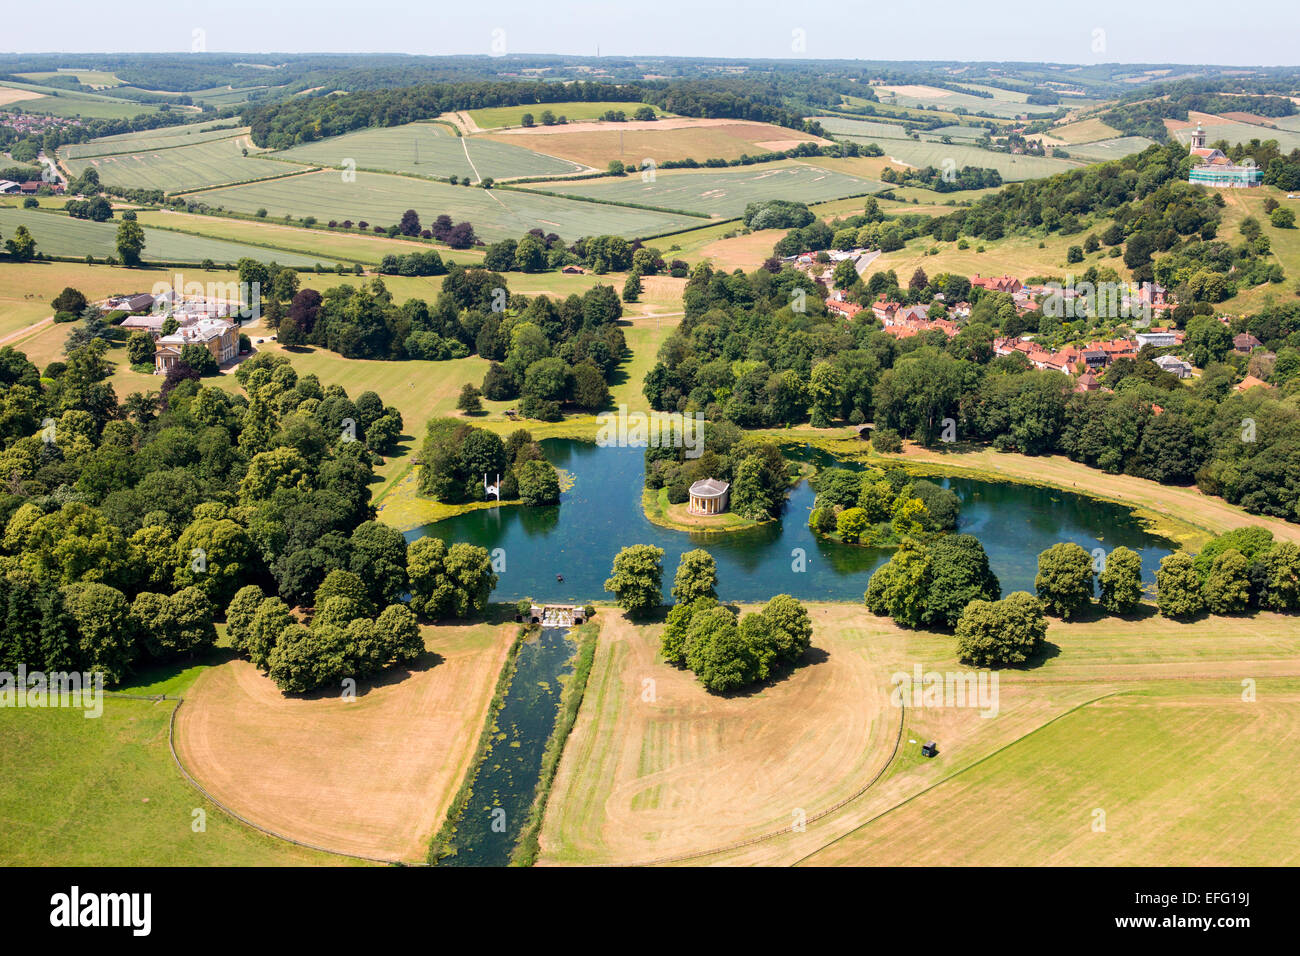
pixel 234 815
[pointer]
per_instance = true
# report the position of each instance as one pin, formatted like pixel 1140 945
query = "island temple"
pixel 709 497
pixel 1213 168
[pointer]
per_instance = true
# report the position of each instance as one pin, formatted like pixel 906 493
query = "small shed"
pixel 930 748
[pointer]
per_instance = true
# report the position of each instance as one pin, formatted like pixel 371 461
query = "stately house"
pixel 709 497
pixel 1213 168
pixel 220 337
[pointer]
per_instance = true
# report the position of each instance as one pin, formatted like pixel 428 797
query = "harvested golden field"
pixel 371 776
pixel 595 144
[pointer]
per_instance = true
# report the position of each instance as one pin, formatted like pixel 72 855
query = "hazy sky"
pixel 1123 31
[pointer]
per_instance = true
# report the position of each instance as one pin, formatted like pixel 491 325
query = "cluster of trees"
pixel 129 527
pixel 457 458
pixel 758 473
pixel 930 583
pixel 880 507
pixel 540 251
pixel 725 651
pixel 546 353
pixel 1240 571
pixel 97 209
pixel 931 177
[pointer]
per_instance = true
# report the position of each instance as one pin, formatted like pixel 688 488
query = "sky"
pixel 1100 31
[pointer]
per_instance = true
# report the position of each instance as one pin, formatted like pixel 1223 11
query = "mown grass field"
pixel 180 168
pixel 498 116
pixel 372 776
pixel 431 149
pixel 1142 718
pixel 381 199
pixel 725 192
pixel 660 142
pixel 58 234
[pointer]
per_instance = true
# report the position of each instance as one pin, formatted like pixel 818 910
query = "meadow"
pixel 58 234
pixel 725 192
pixel 69 103
pixel 182 168
pixel 381 199
pixel 431 149
pixel 1105 149
pixel 496 117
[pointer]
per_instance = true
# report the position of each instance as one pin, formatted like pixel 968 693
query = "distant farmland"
pixel 431 149
pixel 380 198
pixel 60 235
pixel 725 192
pixel 185 167
pixel 498 116
pixel 1012 168
pixel 153 139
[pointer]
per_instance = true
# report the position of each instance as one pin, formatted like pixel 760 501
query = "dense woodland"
pixel 130 527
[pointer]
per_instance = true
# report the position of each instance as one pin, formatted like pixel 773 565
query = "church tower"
pixel 1198 137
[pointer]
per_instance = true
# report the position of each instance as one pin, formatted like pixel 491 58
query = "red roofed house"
pixel 1004 283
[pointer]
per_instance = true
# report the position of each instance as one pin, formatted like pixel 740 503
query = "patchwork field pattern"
pixel 431 149
pixel 725 193
pixel 381 199
pixel 188 135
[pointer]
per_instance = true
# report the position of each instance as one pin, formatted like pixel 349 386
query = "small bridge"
pixel 557 615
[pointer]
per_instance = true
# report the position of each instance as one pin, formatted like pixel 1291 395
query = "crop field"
pixel 868 129
pixel 215 163
pixel 1012 168
pixel 660 142
pixel 725 192
pixel 1217 128
pixel 496 214
pixel 955 132
pixel 926 96
pixel 96 78
pixel 431 149
pixel 372 776
pixel 56 102
pixel 332 246
pixel 152 139
pixel 1133 717
pixel 60 235
pixel 1084 131
pixel 1105 149
pixel 498 116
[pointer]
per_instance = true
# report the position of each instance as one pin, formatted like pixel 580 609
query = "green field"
pixel 430 149
pixel 1012 168
pixel 380 198
pixel 725 192
pixel 499 116
pixel 104 792
pixel 870 128
pixel 215 163
pixel 57 234
pixel 86 77
pixel 1105 149
pixel 1002 104
pixel 188 135
pixel 1235 132
pixel 56 102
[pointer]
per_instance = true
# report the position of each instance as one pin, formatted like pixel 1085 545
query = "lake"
pixel 602 513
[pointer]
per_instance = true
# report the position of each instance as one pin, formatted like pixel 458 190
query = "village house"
pixel 1245 343
pixel 1160 338
pixel 1249 382
pixel 1174 365
pixel 846 310
pixel 1003 283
